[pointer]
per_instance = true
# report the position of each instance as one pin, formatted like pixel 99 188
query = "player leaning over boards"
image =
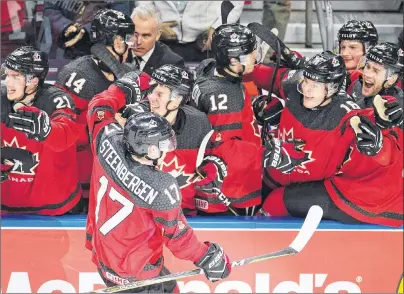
pixel 89 75
pixel 222 96
pixel 37 118
pixel 341 170
pixel 135 208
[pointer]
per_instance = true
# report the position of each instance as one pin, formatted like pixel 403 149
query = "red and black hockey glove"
pixel 135 85
pixel 267 111
pixel 388 111
pixel 284 156
pixel 211 174
pixel 32 121
pixel 369 138
pixel 215 263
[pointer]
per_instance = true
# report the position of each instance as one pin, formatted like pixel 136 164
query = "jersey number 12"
pixel 220 103
pixel 114 195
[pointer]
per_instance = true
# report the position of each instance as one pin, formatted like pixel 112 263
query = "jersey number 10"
pixel 114 195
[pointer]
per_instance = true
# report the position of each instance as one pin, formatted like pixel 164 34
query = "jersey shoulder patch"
pixel 83 78
pixel 51 98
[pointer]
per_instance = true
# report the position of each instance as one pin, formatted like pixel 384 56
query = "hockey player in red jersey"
pixel 222 96
pixel 317 116
pixel 380 71
pixel 354 39
pixel 136 208
pixel 89 75
pixel 37 118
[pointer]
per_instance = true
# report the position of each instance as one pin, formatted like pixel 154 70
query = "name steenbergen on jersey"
pixel 133 183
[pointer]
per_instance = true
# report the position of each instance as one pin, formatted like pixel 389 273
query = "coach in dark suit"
pixel 149 53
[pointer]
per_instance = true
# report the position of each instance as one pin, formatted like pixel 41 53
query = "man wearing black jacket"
pixel 150 54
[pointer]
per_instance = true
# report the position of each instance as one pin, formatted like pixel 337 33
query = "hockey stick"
pixel 102 53
pixel 309 226
pixel 199 159
pixel 225 10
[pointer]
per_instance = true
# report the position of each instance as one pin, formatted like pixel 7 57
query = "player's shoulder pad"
pixel 82 78
pixel 51 98
pixel 169 193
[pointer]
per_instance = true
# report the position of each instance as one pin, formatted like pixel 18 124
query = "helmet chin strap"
pixel 228 76
pixel 27 103
pixel 120 54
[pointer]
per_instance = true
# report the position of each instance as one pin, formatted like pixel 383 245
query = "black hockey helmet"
pixel 325 67
pixel 388 55
pixel 232 41
pixel 145 129
pixel 28 61
pixel 179 80
pixel 358 30
pixel 109 23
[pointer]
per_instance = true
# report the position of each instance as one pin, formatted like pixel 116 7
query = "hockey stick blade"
pixel 265 34
pixel 307 230
pixel 226 8
pixel 202 148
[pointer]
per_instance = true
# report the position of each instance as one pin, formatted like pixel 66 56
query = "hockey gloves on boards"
pixel 135 86
pixel 369 138
pixel 215 263
pixel 267 111
pixel 32 121
pixel 284 156
pixel 211 173
pixel 388 111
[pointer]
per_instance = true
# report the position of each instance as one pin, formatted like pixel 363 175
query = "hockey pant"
pixel 297 198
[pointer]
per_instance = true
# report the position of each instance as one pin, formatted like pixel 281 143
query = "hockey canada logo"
pixel 152 124
pixel 234 38
pixel 37 57
pixel 19 167
pixel 335 62
pixel 286 135
pixel 185 75
pixel 173 167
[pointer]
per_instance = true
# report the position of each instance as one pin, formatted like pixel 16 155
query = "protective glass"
pixel 262 50
pixel 308 87
pixel 169 144
pixel 131 40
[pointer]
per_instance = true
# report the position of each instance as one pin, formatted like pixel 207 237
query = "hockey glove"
pixel 388 112
pixel 5 170
pixel 284 156
pixel 32 121
pixel 215 263
pixel 369 138
pixel 267 111
pixel 135 86
pixel 211 172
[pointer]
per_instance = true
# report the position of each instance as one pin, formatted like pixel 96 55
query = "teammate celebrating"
pixel 381 69
pixel 337 163
pixel 139 205
pixel 354 39
pixel 89 75
pixel 39 119
pixel 222 96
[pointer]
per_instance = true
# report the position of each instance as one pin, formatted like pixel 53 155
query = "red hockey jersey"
pixel 134 210
pixel 50 185
pixel 228 107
